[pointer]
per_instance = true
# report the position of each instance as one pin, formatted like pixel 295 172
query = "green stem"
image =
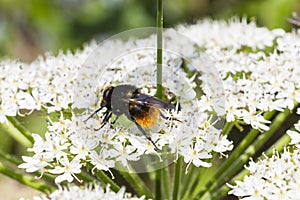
pixel 177 179
pixel 196 181
pixel 15 133
pixel 166 182
pixel 188 184
pixel 86 178
pixel 159 88
pixel 137 183
pixel 159 50
pixel 103 177
pixel 158 185
pixel 196 187
pixel 21 128
pixel 221 193
pixel 26 180
pixel 227 128
pixel 279 145
pixel 10 158
pixel 243 152
pixel 233 156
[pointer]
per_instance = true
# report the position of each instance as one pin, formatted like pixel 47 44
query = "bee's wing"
pixel 150 101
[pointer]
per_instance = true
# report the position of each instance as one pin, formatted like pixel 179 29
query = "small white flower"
pixel 295 137
pixel 55 146
pixel 81 148
pixel 36 162
pixel 102 160
pixel 25 101
pixel 223 145
pixel 124 154
pixel 39 144
pixel 256 120
pixel 251 188
pixel 196 156
pixel 67 170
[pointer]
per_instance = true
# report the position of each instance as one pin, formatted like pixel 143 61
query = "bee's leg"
pixel 144 133
pixel 106 117
pixel 94 113
pixel 113 122
pixel 172 118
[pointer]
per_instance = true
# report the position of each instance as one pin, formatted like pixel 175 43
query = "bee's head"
pixel 105 101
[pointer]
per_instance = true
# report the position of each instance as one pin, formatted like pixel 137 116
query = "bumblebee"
pixel 142 109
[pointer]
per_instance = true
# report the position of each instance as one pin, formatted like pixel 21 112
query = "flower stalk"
pixel 103 177
pixel 159 87
pixel 26 180
pixel 177 180
pixel 21 128
pixel 159 50
pixel 11 127
pixel 137 183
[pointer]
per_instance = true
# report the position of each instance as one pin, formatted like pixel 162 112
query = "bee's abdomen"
pixel 147 117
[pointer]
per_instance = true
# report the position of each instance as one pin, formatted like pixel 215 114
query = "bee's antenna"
pixel 92 115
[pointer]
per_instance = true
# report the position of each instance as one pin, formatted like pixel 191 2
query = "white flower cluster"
pixel 259 68
pixel 254 81
pixel 46 83
pixel 275 178
pixel 233 34
pixel 90 192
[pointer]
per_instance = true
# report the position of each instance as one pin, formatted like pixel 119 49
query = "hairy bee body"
pixel 142 109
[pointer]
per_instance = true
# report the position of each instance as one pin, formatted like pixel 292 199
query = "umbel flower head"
pixel 277 177
pixel 254 81
pixel 72 141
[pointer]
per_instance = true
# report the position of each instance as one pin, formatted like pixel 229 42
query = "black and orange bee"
pixel 142 109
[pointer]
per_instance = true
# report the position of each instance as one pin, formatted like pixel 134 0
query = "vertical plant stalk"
pixel 166 182
pixel 158 185
pixel 159 50
pixel 159 61
pixel 177 179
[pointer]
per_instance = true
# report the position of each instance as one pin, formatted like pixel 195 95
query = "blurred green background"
pixel 31 27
